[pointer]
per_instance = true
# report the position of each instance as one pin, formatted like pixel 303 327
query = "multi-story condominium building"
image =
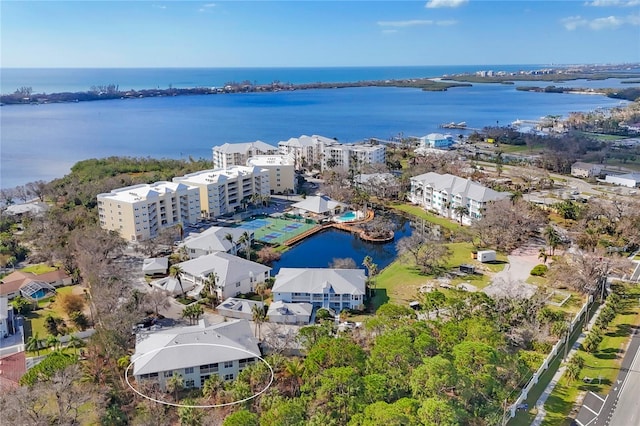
pixel 237 154
pixel 335 289
pixel 282 176
pixel 195 353
pixel 352 156
pixel 139 212
pixel 306 151
pixel 442 193
pixel 224 190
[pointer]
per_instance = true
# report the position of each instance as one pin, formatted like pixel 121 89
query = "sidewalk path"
pixel 556 377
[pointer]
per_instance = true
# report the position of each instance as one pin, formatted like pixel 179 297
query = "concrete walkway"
pixel 556 377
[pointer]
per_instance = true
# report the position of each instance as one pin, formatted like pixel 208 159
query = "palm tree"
pixel 176 272
pixel 553 239
pixel 210 282
pixel 245 240
pixel 259 316
pixel 461 211
pixel 261 289
pixel 180 229
pixel 53 342
pixel 75 342
pixel 293 370
pixel 212 386
pixel 229 238
pixel 543 255
pixel 372 269
pixel 175 384
pixel 35 343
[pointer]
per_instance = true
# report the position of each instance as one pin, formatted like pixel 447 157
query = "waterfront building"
pixel 282 176
pixel 442 193
pixel 194 352
pixel 306 151
pixel 319 206
pixel 382 185
pixel 229 275
pixel 223 191
pixel 290 313
pixel 328 288
pixel 436 140
pixel 239 308
pixel 139 212
pixel 237 154
pixel 585 170
pixel 352 156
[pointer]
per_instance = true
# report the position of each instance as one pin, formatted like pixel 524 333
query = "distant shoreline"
pixel 24 96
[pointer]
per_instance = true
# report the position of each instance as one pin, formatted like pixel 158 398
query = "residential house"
pixel 223 191
pixel 236 154
pixel 216 238
pixel 290 313
pixel 442 193
pixel 319 206
pixel 139 212
pixel 12 368
pixel 282 176
pixel 585 170
pixel 238 308
pixel 155 266
pixel 233 275
pixel 26 283
pixel 35 208
pixel 436 140
pixel 631 180
pixel 194 352
pixel 335 289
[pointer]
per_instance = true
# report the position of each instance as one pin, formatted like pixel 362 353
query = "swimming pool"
pixel 349 216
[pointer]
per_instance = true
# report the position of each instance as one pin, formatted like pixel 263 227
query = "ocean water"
pixel 54 80
pixel 44 141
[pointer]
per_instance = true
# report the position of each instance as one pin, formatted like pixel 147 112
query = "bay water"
pixel 44 141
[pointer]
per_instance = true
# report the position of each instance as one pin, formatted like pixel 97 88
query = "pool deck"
pixel 348 226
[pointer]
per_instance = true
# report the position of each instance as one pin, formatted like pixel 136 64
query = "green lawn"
pixel 38 269
pixel 419 212
pixel 605 363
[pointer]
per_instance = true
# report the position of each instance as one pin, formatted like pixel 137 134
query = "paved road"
pixel 622 407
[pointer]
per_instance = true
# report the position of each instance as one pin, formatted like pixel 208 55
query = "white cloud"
pixel 206 7
pixel 609 3
pixel 402 24
pixel 159 6
pixel 434 4
pixel 446 23
pixel 607 23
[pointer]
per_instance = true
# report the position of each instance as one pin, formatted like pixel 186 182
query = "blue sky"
pixel 316 33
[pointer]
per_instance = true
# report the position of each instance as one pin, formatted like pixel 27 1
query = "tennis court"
pixel 274 230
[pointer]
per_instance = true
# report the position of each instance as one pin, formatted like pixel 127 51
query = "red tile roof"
pixel 12 368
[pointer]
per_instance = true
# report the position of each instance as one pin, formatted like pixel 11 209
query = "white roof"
pixel 304 141
pixel 243 147
pixel 630 176
pixel 238 305
pixel 229 268
pixel 205 177
pixel 320 280
pixel 182 347
pixel 270 160
pixel 283 308
pixel 437 136
pixel 213 239
pixel 141 192
pixel 376 178
pixel 155 263
pixel 459 186
pixel 34 208
pixel 172 285
pixel 318 204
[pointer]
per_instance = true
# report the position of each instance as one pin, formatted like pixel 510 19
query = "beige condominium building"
pixel 139 212
pixel 282 176
pixel 222 191
pixel 237 154
pixel 352 156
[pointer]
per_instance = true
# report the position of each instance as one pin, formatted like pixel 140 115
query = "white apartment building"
pixel 282 176
pixel 442 193
pixel 305 150
pixel 348 156
pixel 224 190
pixel 237 154
pixel 139 212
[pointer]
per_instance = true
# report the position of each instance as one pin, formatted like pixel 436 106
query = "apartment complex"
pixel 237 154
pixel 223 190
pixel 442 193
pixel 139 212
pixel 306 151
pixel 352 156
pixel 282 176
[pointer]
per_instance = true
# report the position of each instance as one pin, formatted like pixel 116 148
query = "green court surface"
pixel 276 231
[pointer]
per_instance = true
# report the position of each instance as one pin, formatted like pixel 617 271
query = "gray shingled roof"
pixel 459 186
pixel 320 280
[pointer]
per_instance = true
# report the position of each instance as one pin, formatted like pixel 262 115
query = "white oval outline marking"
pixel 226 404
